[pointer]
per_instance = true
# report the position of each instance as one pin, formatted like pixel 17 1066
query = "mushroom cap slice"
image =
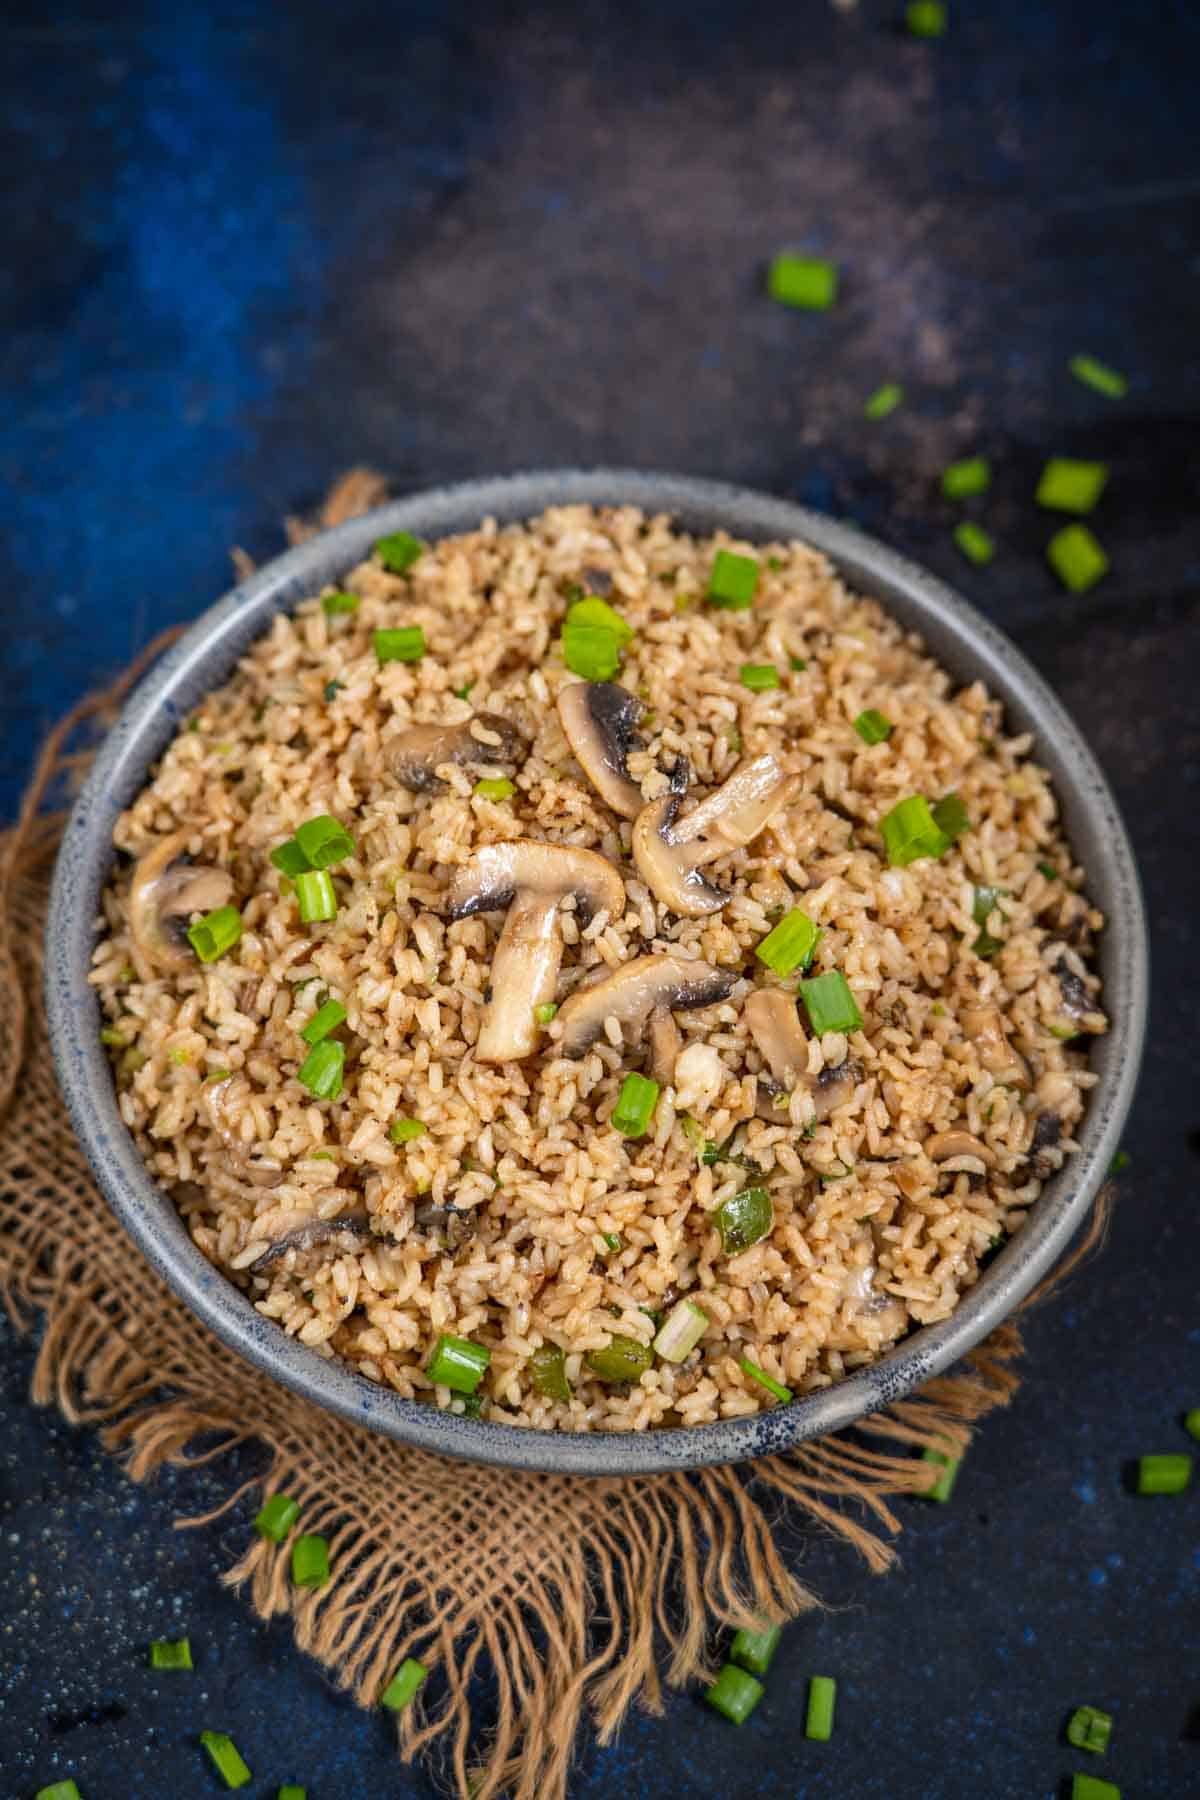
pixel 669 855
pixel 669 874
pixel 496 872
pixel 635 991
pixel 774 1023
pixel 308 1234
pixel 600 719
pixel 163 895
pixel 418 753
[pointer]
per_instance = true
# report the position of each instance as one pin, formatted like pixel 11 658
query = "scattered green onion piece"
pixel 693 1131
pixel 982 908
pixel 332 604
pixel 327 1018
pixel 925 18
pixel 214 934
pixel 972 475
pixel 1076 558
pixel 112 1037
pixel 500 789
pixel 167 1655
pixel 406 1131
pixel 822 1693
pixel 1191 1422
pixel 773 1387
pixel 753 1650
pixel 830 1004
pixel 797 664
pixel 744 1219
pixel 179 1057
pixel 333 689
pixel 759 677
pixel 472 1406
pixel 225 1758
pixel 544 1013
pixel 592 651
pixel 324 841
pixel 808 282
pixel 732 581
pixel 910 831
pixel 291 1792
pixel 790 944
pixel 1048 870
pixel 405 643
pixel 685 1325
pixel 1089 1729
pixel 635 1106
pixel 734 1693
pixel 943 1487
pixel 591 610
pixel 404 1684
pixel 277 1517
pixel 1120 1163
pixel 950 817
pixel 1163 1474
pixel 1070 486
pixel 977 545
pixel 621 1359
pixel 315 896
pixel 464 692
pixel 310 1561
pixel 872 727
pixel 59 1790
pixel 1098 375
pixel 399 551
pixel 290 859
pixel 322 1069
pixel 548 1372
pixel 612 1241
pixel 458 1364
pixel 883 401
pixel 1090 1787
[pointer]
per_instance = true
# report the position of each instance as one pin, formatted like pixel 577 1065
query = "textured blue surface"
pixel 247 246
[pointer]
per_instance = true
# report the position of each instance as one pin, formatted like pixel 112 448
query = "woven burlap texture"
pixel 573 1597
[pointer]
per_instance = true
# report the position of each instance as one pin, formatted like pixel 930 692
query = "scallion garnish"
pixel 458 1364
pixel 323 841
pixel 216 933
pixel 734 1693
pixel 112 1037
pixel 404 1684
pixel 685 1325
pixel 753 1650
pixel 545 1012
pixel 548 1373
pixel 1191 1422
pixel 1076 558
pixel 759 677
pixel 290 859
pixel 1048 870
pixel 883 401
pixel 635 1106
pixel 775 1388
pixel 1163 1474
pixel 1089 1729
pixel 621 1359
pixel 1090 1787
pixel 943 1487
pixel 332 604
pixel 744 1219
pixel 591 651
pixel 1098 375
pixel 403 643
pixel 808 282
pixel 797 665
pixel 972 475
pixel 322 1069
pixel 977 545
pixel 732 581
pixel 500 789
pixel 1070 486
pixel 407 1131
pixel 225 1758
pixel 327 1018
pixel 790 944
pixel 830 1004
pixel 399 551
pixel 277 1517
pixel 1120 1163
pixel 612 1241
pixel 290 1792
pixel 982 908
pixel 315 896
pixel 59 1790
pixel 910 832
pixel 310 1561
pixel 822 1695
pixel 167 1655
pixel 872 727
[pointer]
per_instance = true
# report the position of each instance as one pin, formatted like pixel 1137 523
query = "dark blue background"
pixel 247 246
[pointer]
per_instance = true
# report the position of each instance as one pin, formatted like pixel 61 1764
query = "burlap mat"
pixel 564 1596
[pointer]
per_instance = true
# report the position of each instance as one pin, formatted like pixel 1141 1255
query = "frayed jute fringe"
pixel 567 1598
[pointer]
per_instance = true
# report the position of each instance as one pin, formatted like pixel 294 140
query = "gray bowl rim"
pixel 965 642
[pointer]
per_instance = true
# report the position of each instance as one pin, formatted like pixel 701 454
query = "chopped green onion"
pixel 830 1004
pixel 500 789
pixel 1069 486
pixel 753 1650
pixel 59 1790
pixel 404 1684
pixel 548 1372
pixel 635 1106
pixel 464 692
pixel 326 1019
pixel 593 611
pixel 322 1069
pixel 1163 1474
pixel 290 859
pixel 310 1561
pixel 458 1364
pixel 621 1359
pixel 167 1655
pixel 1048 870
pixel 759 677
pixel 324 842
pixel 744 1219
pixel 973 475
pixel 544 1013
pixel 1098 375
pixel 805 281
pixel 472 1406
pixel 315 896
pixel 333 689
pixel 734 1693
pixel 612 1241
pixel 773 1387
pixel 797 664
pixel 822 1693
pixel 925 18
pixel 291 1792
pixel 790 944
pixel 910 831
pixel 872 727
pixel 179 1057
pixel 217 932
pixel 1076 558
pixel 685 1325
pixel 883 401
pixel 943 1487
pixel 1120 1163
pixel 226 1760
pixel 399 551
pixel 406 1131
pixel 332 604
pixel 982 908
pixel 405 643
pixel 1090 1787
pixel 732 581
pixel 112 1037
pixel 591 651
pixel 950 817
pixel 977 545
pixel 1191 1422
pixel 1089 1729
pixel 277 1517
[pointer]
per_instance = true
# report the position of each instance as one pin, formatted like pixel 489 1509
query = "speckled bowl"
pixel 964 642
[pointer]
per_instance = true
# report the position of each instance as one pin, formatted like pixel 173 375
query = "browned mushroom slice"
pixel 600 720
pixel 666 1041
pixel 309 1235
pixel 867 1311
pixel 669 852
pixel 635 992
pixel 165 893
pixel 984 1026
pixel 531 880
pixel 774 1024
pixel 959 1150
pixel 418 753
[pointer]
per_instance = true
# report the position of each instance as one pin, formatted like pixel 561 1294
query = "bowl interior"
pixel 962 640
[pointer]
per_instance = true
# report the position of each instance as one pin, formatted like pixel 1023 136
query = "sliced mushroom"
pixel 531 880
pixel 418 753
pixel 600 719
pixel 637 991
pixel 670 852
pixel 236 1157
pixel 833 1087
pixel 862 1300
pixel 984 1027
pixel 666 1041
pixel 949 1146
pixel 774 1024
pixel 450 1223
pixel 165 892
pixel 309 1234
